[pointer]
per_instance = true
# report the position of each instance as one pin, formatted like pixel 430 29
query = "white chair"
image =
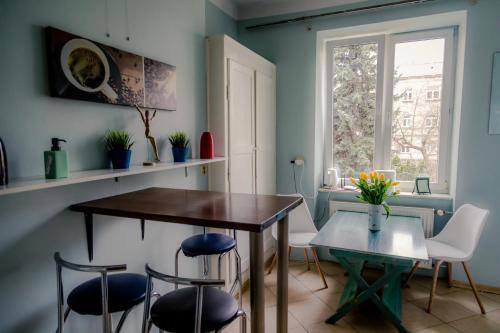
pixel 301 231
pixel 456 243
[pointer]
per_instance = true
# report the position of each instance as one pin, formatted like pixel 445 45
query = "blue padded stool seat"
pixel 125 290
pixel 175 311
pixel 207 244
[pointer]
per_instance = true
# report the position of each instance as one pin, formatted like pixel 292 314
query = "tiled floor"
pixel 454 310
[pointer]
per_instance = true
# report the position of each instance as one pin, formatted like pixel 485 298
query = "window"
pixel 408 95
pixel 389 98
pixel 430 122
pixel 406 122
pixel 433 94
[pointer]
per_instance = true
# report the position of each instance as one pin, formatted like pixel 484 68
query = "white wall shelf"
pixel 40 183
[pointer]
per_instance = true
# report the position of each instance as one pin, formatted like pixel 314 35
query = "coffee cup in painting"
pixel 86 67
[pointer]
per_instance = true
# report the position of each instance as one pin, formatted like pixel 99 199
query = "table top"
pixel 249 212
pixel 401 237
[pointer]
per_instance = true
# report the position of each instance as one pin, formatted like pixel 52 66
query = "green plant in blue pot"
pixel 118 144
pixel 180 146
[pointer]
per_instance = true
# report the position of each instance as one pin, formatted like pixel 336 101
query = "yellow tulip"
pixel 398 191
pixel 375 175
pixel 363 176
pixel 382 177
pixel 395 183
pixel 353 181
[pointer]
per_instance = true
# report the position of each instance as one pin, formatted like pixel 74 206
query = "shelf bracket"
pixel 143 228
pixel 89 230
pixel 185 172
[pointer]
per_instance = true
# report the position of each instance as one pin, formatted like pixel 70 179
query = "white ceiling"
pixel 245 9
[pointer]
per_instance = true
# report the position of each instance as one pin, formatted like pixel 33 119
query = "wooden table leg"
pixel 257 318
pixel 282 278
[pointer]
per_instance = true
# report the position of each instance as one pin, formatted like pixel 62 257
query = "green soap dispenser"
pixel 56 161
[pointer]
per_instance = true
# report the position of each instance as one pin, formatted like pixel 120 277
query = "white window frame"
pixel 379 89
pixel 383 117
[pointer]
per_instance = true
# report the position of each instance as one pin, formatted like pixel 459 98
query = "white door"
pixel 265 134
pixel 241 93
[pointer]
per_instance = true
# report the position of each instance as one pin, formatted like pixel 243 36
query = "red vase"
pixel 207 146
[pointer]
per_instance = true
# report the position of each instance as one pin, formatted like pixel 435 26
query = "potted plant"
pixel 118 144
pixel 180 146
pixel 374 191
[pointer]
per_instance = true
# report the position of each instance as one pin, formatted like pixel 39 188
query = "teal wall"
pixel 36 224
pixel 218 22
pixel 292 48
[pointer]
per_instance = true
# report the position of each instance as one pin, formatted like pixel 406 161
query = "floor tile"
pixel 270 299
pixel 331 268
pixel 328 297
pixel 445 309
pixel 493 297
pixel 311 311
pixel 340 327
pixel 467 299
pixel 415 318
pixel 368 319
pixel 312 280
pixel 271 320
pixel 442 286
pixel 445 328
pixel 489 323
pixel 415 291
pixel 296 290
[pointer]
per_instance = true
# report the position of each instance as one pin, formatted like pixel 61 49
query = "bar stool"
pixel 208 244
pixel 199 307
pixel 122 292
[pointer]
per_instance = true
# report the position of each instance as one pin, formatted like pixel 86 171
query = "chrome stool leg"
pixel 206 269
pixel 122 320
pixel 238 278
pixel 177 266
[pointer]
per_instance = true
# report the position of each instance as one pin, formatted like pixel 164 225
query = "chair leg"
pixel 122 320
pixel 449 277
pixel 243 322
pixel 473 286
pixel 66 314
pixel 320 271
pixel 177 265
pixel 410 275
pixel 289 252
pixel 306 257
pixel 273 263
pixel 434 284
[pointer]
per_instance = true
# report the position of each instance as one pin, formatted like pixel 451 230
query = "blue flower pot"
pixel 120 159
pixel 180 154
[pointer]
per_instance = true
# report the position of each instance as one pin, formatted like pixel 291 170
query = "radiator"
pixel 425 214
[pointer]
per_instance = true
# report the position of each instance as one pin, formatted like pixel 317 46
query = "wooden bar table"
pixel 399 243
pixel 246 212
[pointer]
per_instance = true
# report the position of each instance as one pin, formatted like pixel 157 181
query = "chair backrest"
pixel 464 228
pixel 199 284
pixel 299 219
pixel 103 270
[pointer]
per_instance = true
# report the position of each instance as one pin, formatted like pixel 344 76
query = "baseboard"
pixel 480 287
pixel 246 281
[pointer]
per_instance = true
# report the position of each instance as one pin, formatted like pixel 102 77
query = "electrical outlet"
pixel 299 160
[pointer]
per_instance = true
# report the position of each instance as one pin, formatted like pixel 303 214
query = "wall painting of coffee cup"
pixel 82 69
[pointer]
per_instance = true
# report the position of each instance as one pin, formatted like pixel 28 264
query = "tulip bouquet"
pixel 374 189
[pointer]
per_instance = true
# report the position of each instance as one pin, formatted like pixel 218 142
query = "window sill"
pixel 433 196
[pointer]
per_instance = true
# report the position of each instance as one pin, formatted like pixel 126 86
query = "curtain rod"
pixel 339 12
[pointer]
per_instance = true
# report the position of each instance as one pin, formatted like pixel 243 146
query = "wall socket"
pixel 299 160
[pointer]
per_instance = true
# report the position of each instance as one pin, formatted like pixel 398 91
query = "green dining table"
pixel 397 245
